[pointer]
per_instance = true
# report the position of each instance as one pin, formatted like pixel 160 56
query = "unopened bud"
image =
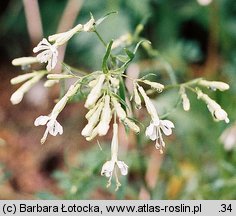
pixel 24 61
pixel 106 116
pixel 132 125
pixel 92 121
pixel 185 100
pixel 119 110
pixel 159 87
pixel 50 83
pixel 214 85
pixel 22 78
pixel 95 93
pixel 137 98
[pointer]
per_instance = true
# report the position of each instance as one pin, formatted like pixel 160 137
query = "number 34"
pixel 225 208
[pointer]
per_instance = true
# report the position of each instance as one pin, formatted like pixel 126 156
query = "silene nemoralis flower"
pixel 48 53
pixel 112 166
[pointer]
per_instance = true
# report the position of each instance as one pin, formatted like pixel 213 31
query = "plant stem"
pixel 100 38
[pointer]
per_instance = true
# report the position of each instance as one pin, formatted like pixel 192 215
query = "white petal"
pixel 151 132
pixel 17 97
pixel 41 120
pixel 54 127
pixel 108 168
pixel 166 126
pixel 123 167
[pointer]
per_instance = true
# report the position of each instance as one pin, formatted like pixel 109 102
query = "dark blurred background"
pixel 197 38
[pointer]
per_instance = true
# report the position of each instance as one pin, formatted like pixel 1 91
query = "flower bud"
pixel 92 83
pixel 106 116
pixel 24 61
pixel 93 120
pixel 159 87
pixel 217 112
pixel 19 93
pixel 59 76
pixel 137 98
pixel 214 85
pixel 119 110
pixel 17 97
pixel 114 81
pixel 62 38
pixel 185 100
pixel 89 26
pixel 149 105
pixel 22 78
pixel 94 133
pixel 95 93
pixel 50 83
pixel 132 125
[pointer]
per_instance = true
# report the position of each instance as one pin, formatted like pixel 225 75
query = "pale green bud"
pixel 217 112
pixel 159 87
pixel 119 110
pixel 59 76
pixel 17 96
pixel 50 83
pixel 149 105
pixel 93 120
pixel 137 98
pixel 95 93
pixel 22 78
pixel 24 61
pixel 62 38
pixel 185 100
pixel 132 125
pixel 214 85
pixel 106 116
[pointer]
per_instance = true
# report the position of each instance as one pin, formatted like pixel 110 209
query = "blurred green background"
pixel 197 40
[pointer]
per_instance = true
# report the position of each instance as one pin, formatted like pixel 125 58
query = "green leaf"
pixel 131 54
pixel 122 92
pixel 99 21
pixel 148 75
pixel 106 56
pixel 122 58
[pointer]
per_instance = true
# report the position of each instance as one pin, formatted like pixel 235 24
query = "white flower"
pixel 49 53
pixel 155 129
pixel 111 166
pixel 53 126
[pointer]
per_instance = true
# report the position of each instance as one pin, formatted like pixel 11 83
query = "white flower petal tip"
pixel 123 167
pixel 53 126
pixel 16 97
pixel 41 120
pixel 48 53
pixel 108 168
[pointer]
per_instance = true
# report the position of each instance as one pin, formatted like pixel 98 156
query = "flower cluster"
pixel 106 94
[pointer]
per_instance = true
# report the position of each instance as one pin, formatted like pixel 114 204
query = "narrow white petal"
pixel 123 167
pixel 108 168
pixel 41 120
